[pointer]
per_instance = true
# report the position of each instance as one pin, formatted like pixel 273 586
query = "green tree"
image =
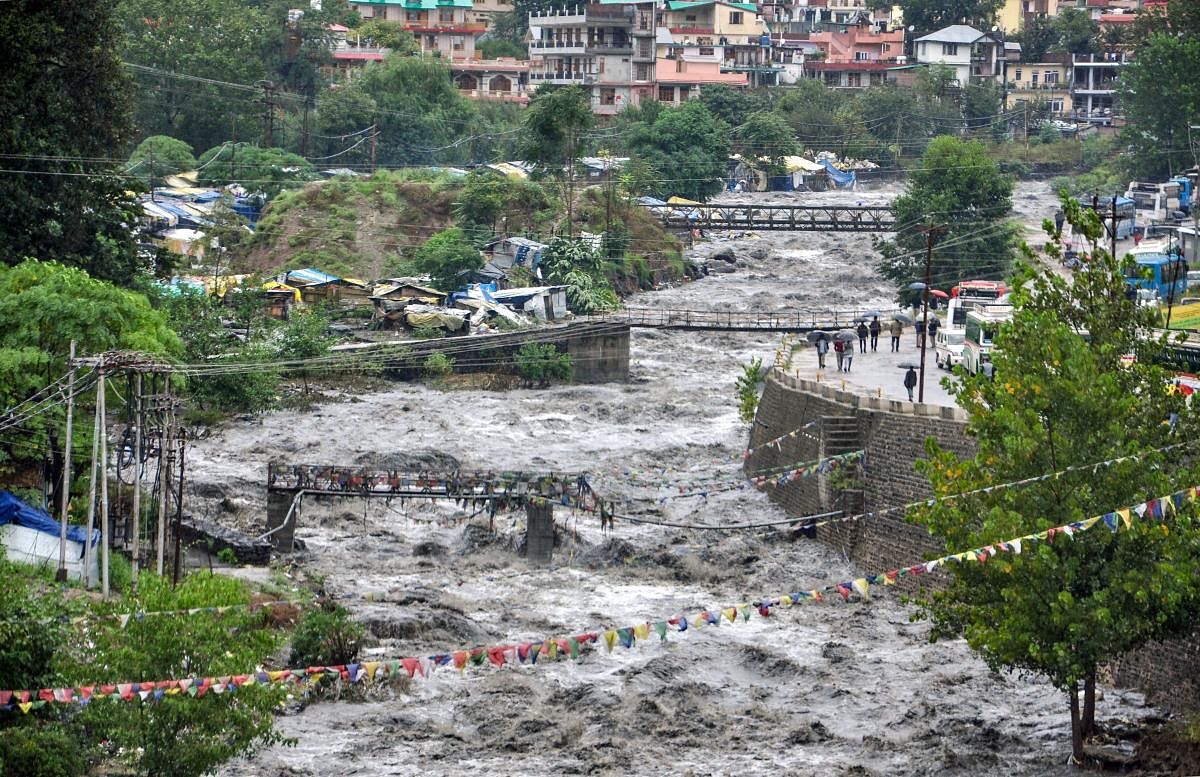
pixel 388 35
pixel 1166 72
pixel 929 15
pixel 65 115
pixel 576 265
pixel 556 119
pixel 983 108
pixel 266 170
pixel 158 156
pixel 1071 31
pixel 540 363
pixel 43 306
pixel 956 186
pixel 344 118
pixel 765 135
pixel 488 200
pixel 730 105
pixel 448 257
pixel 494 48
pixel 303 338
pixel 1061 608
pixel 176 43
pixel 690 146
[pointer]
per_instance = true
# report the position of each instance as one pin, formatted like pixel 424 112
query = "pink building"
pixel 860 44
pixel 680 80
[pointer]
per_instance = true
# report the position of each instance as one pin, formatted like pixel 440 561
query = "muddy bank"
pixel 841 689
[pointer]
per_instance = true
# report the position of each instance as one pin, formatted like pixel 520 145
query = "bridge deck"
pixel 791 218
pixel 737 321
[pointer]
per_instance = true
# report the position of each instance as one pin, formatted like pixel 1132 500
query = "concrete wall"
pixel 893 435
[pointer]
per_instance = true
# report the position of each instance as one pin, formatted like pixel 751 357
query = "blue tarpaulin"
pixel 13 510
pixel 840 178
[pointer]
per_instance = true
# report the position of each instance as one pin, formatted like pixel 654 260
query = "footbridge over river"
pixel 740 320
pixel 790 218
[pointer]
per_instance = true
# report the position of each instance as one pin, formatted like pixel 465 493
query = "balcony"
pixel 610 47
pixel 1103 86
pixel 455 28
pixel 691 30
pixel 563 46
pixel 564 17
pixel 563 77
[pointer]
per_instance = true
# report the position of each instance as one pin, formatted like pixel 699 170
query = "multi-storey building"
pixel 1047 82
pixel 1014 13
pixel 486 11
pixel 970 53
pixel 1094 85
pixel 441 27
pixel 863 42
pixel 608 48
pixel 731 34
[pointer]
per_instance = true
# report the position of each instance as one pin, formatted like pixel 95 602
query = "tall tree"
pixel 158 156
pixel 929 15
pixel 66 117
pixel 689 146
pixel 194 50
pixel 554 127
pixel 959 188
pixel 1160 94
pixel 1063 398
pixel 765 135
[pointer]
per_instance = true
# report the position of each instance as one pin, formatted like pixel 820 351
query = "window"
pixel 445 15
pixel 600 65
pixel 642 73
pixel 860 56
pixel 680 66
pixel 1019 74
pixel 431 41
pixel 1051 77
pixel 1056 106
pixel 412 16
pixel 1033 78
pixel 887 47
pixel 706 51
pixel 608 96
pixel 691 17
pixel 666 94
pixel 854 79
pixel 949 49
pixel 457 44
pixel 735 17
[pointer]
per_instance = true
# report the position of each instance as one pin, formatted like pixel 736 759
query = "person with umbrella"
pixel 910 382
pixel 839 351
pixel 822 345
pixel 934 323
pixel 874 329
pixel 862 336
pixel 896 328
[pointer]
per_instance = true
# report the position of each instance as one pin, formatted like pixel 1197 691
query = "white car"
pixel 948 348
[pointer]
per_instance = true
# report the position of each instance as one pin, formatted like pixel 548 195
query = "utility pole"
pixel 105 529
pixel 304 132
pixel 268 101
pixel 61 574
pixel 930 233
pixel 374 145
pixel 137 476
pixel 1113 221
pixel 91 520
pixel 233 153
pixel 165 457
pixel 179 510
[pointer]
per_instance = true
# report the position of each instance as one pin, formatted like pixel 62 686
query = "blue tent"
pixel 13 510
pixel 840 178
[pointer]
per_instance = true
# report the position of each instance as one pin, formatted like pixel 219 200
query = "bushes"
pixel 540 363
pixel 748 383
pixel 326 637
pixel 437 365
pixel 47 750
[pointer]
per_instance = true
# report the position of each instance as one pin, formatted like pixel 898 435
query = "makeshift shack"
pixel 318 287
pixel 548 303
pixel 31 536
pixel 390 301
pixel 505 252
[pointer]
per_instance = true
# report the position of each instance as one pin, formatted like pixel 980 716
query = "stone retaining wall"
pixel 892 433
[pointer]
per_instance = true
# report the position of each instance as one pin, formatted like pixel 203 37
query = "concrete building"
pixel 862 42
pixel 1047 82
pixel 504 79
pixel 970 53
pixel 607 47
pixel 441 27
pixel 1093 88
pixel 486 11
pixel 1012 15
pixel 732 34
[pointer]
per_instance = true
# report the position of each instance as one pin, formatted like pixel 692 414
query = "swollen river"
pixel 818 689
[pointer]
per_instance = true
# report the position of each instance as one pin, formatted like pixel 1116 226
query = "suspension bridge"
pixel 780 218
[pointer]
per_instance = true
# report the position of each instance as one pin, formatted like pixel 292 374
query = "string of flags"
pixel 778 441
pixel 821 467
pixel 550 649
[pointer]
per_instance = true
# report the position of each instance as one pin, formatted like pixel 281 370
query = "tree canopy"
pixel 958 187
pixel 1063 397
pixel 689 145
pixel 1071 31
pixel 448 257
pixel 765 135
pixel 268 170
pixel 929 15
pixel 66 117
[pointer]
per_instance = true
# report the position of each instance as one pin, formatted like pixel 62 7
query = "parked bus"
pixel 969 295
pixel 1157 274
pixel 980 334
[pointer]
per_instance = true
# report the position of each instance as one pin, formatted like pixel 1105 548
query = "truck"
pixel 1159 274
pixel 980 334
pixel 1166 201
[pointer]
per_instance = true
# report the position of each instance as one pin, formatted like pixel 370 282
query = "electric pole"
pixel 61 574
pixel 304 132
pixel 268 100
pixel 931 232
pixel 137 475
pixel 374 146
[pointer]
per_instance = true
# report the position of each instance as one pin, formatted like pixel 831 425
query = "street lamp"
pixel 924 289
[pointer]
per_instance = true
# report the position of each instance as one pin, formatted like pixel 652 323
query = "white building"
pixel 969 52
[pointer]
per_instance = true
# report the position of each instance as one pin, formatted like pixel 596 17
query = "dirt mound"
pixel 425 460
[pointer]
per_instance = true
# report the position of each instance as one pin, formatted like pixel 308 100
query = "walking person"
pixel 862 336
pixel 920 327
pixel 934 323
pixel 895 329
pixel 910 382
pixel 839 352
pixel 822 349
pixel 849 355
pixel 874 329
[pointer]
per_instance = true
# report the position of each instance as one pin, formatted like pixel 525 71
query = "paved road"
pixel 877 373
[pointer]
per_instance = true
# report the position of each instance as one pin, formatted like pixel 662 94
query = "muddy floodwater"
pixel 818 689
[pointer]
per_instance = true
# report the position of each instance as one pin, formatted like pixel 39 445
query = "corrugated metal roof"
pixel 955 33
pixel 309 276
pixel 683 5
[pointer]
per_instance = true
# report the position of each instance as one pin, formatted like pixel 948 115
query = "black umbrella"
pixel 816 335
pixel 903 318
pixel 909 366
pixel 846 335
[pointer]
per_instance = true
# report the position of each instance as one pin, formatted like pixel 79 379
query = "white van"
pixel 948 347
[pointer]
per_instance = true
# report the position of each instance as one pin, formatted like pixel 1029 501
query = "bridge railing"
pixel 684 318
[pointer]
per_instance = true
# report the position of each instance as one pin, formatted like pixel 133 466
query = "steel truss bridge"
pixel 782 218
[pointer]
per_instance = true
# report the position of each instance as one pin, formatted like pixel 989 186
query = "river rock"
pixel 724 255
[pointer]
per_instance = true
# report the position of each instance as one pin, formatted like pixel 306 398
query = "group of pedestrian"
pixel 868 335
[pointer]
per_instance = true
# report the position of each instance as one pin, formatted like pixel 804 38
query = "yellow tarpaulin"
pixel 682 201
pixel 799 163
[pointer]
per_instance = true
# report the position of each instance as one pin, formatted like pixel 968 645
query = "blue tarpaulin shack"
pixel 843 179
pixel 13 510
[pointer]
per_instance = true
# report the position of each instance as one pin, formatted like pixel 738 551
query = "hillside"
pixel 366 228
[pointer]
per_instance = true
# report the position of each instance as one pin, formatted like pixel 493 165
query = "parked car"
pixel 948 348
